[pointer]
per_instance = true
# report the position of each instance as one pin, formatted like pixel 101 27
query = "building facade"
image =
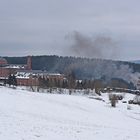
pixel 24 74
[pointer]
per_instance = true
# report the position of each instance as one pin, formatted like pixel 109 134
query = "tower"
pixel 29 63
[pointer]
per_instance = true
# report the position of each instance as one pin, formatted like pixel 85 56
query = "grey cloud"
pixel 40 25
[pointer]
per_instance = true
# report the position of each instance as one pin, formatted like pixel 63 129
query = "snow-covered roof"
pixel 2 78
pixel 28 73
pixel 15 66
pixel 22 75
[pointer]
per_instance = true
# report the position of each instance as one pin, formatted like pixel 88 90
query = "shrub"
pixel 113 99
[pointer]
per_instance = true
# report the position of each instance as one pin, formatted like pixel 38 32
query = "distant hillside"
pixel 136 61
pixel 83 68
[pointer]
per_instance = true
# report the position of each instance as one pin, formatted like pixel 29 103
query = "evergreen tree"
pixel 12 80
pixel 9 81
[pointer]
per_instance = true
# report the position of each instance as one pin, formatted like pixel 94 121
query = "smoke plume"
pixel 93 47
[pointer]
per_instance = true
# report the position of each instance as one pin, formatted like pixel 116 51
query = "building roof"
pixel 1 58
pixel 16 66
pixel 27 73
pixel 3 61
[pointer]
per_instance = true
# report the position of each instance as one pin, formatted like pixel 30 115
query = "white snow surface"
pixel 36 116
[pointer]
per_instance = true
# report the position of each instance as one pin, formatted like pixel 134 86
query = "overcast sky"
pixel 55 27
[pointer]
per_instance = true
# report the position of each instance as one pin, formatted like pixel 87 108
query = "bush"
pixel 136 99
pixel 113 99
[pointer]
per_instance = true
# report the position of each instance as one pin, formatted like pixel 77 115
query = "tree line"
pixel 84 68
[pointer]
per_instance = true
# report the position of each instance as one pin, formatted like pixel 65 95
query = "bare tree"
pixel 71 81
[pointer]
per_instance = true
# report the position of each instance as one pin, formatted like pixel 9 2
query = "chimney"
pixel 29 63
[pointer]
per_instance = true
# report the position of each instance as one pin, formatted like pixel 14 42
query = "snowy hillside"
pixel 34 116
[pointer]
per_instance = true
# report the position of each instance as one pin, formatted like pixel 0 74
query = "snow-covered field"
pixel 34 116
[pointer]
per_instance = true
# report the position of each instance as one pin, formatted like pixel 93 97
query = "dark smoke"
pixel 92 47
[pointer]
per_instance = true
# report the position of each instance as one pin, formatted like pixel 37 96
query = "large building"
pixel 24 73
pixel 31 77
pixel 7 69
